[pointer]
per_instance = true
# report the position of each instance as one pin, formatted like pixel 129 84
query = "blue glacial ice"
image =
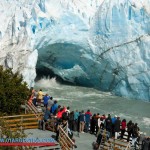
pixel 98 43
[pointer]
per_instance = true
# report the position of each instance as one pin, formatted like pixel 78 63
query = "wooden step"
pixel 57 147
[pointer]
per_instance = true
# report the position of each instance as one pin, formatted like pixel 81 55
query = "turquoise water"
pixel 83 98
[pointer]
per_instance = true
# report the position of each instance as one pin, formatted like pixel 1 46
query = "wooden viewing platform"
pixel 29 122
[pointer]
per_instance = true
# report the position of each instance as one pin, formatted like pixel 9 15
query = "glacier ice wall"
pixel 98 43
pixel 15 42
pixel 122 35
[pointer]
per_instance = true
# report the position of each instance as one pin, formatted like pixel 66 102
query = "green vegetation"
pixel 5 132
pixel 13 91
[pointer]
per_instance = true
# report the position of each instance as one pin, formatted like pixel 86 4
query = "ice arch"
pixel 65 61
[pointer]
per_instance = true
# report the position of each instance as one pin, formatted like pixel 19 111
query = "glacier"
pixel 97 43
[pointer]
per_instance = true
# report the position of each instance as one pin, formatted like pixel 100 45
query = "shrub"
pixel 13 91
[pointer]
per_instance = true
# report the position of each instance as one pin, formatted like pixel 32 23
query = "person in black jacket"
pixel 82 121
pixel 135 134
pixel 71 121
pixel 129 129
pixel 117 127
pixel 93 124
pixel 108 125
pixel 146 144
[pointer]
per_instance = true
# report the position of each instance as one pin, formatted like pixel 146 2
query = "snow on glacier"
pixel 122 37
pixel 98 43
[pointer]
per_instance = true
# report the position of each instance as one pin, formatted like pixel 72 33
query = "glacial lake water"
pixel 83 98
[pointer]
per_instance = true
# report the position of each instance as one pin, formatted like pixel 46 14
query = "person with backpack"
pixel 65 114
pixel 45 118
pixel 129 130
pixel 82 121
pixel 135 134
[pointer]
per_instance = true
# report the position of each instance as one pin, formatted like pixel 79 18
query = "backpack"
pixel 135 132
pixel 71 117
pixel 65 116
pixel 129 127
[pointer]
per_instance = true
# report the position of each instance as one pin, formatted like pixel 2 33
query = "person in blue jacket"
pixel 54 108
pixel 82 121
pixel 46 98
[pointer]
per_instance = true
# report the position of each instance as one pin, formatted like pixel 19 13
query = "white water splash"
pixel 47 82
pixel 92 102
pixel 146 121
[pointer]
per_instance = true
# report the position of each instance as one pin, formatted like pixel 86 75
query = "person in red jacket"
pixel 60 112
pixel 123 127
pixel 88 116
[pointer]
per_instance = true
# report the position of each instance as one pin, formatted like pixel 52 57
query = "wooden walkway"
pixel 26 121
pixel 28 124
pixel 113 144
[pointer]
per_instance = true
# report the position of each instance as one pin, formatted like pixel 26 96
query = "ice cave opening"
pixel 58 60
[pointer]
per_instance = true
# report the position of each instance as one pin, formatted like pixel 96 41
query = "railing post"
pixel 67 128
pixel 25 108
pixel 0 132
pixel 21 123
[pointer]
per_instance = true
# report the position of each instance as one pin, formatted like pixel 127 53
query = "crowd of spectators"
pixel 81 122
